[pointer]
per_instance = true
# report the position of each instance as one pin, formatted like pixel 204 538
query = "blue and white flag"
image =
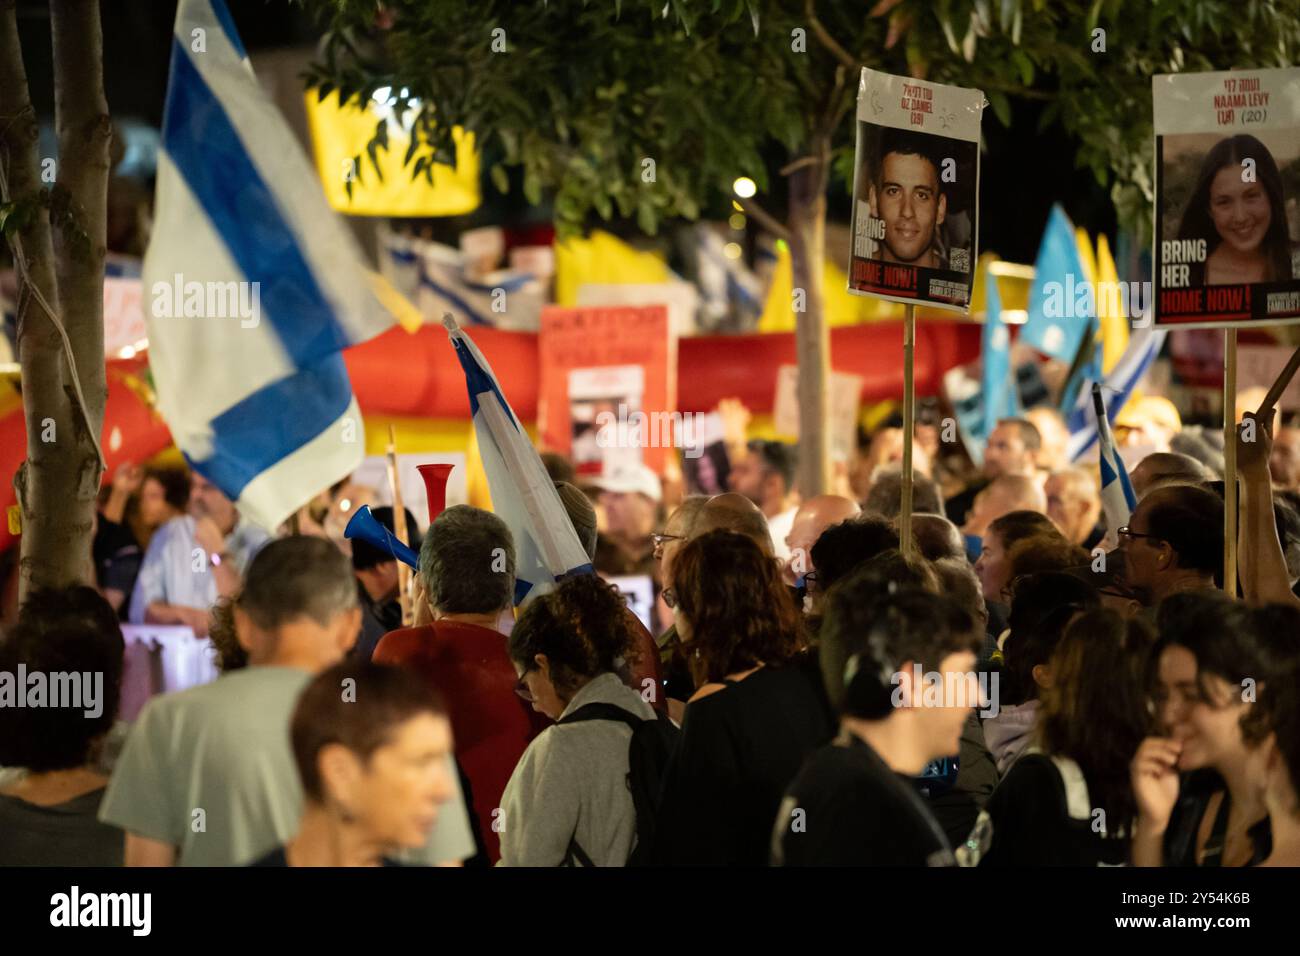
pixel 523 494
pixel 1117 498
pixel 1144 345
pixel 435 278
pixel 999 390
pixel 1055 324
pixel 253 286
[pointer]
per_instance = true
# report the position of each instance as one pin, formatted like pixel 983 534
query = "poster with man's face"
pixel 1227 186
pixel 915 191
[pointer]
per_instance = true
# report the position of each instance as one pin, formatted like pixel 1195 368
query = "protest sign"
pixel 1227 183
pixel 915 191
pixel 609 384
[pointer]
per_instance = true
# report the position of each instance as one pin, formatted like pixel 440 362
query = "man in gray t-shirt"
pixel 207 776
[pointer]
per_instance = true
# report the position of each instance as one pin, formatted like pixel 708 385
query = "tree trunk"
pixel 807 224
pixel 64 256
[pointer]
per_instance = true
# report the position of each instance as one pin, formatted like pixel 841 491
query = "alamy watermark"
pixel 636 429
pixel 1070 299
pixel 179 299
pixel 948 689
pixel 76 690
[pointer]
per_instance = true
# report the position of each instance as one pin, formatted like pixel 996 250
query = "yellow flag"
pixel 339 134
pixel 1085 254
pixel 838 305
pixel 1111 307
pixel 604 259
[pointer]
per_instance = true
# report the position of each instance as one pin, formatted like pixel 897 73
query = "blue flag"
pixel 998 384
pixel 1055 324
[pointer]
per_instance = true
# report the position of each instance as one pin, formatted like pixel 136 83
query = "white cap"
pixel 627 479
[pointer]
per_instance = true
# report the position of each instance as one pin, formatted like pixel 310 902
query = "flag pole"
pixel 399 529
pixel 1266 407
pixel 909 427
pixel 1230 461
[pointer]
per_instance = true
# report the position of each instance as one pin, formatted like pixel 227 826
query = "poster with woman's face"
pixel 915 190
pixel 1227 186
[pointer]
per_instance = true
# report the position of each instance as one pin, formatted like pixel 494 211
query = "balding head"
pixel 678 528
pixel 1167 468
pixel 813 517
pixel 937 538
pixel 1002 496
pixel 1055 436
pixel 1073 502
pixel 734 512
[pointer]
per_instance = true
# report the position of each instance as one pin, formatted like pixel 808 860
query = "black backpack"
pixel 653 742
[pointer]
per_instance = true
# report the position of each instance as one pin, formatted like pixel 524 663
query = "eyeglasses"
pixel 521 688
pixel 669 596
pixel 1127 532
pixel 810 581
pixel 661 539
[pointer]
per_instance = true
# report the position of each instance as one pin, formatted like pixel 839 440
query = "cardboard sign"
pixel 916 191
pixel 845 391
pixel 639 592
pixel 1227 155
pixel 124 329
pixel 1258 366
pixel 602 345
pixel 161 659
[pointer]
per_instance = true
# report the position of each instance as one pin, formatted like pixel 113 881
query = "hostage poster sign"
pixel 915 191
pixel 1227 187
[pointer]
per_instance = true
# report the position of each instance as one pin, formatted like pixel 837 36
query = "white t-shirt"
pixel 778 527
pixel 223 749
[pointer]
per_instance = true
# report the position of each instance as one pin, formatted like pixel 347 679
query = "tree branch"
pixel 765 219
pixel 824 37
pixel 799 163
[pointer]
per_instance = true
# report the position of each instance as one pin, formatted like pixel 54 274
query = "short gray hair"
pixel 885 496
pixel 298 576
pixel 467 562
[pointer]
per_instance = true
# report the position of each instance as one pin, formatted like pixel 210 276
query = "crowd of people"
pixel 1019 684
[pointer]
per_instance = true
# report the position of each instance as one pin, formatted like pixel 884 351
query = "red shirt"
pixel 492 725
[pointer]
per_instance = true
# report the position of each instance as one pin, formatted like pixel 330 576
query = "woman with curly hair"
pixel 568 801
pixel 758 712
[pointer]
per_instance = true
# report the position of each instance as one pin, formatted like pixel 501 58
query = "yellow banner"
pixel 339 134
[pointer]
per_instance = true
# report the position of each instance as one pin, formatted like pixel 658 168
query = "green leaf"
pixel 945 23
pixel 1026 67
pixel 532 187
pixel 1001 107
pixel 500 178
pixel 646 218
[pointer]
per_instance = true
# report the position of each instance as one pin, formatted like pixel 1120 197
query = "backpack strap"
pixel 575 855
pixel 601 711
pixel 1077 804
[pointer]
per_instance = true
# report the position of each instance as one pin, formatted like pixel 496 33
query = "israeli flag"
pixel 253 286
pixel 1144 345
pixel 1055 325
pixel 1117 498
pixel 523 495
